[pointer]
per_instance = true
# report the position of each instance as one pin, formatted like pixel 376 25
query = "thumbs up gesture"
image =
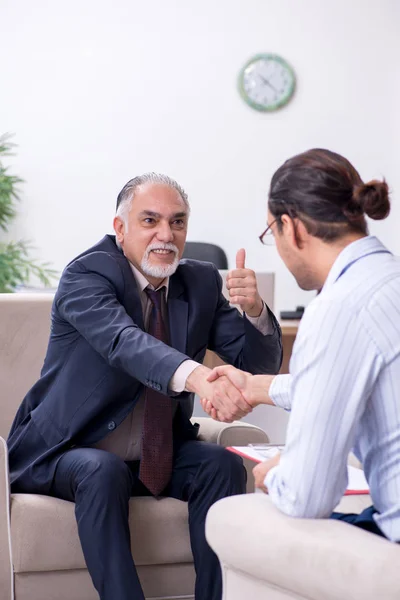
pixel 242 286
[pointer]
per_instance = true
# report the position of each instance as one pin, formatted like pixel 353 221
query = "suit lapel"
pixel 177 314
pixel 131 300
pixel 177 305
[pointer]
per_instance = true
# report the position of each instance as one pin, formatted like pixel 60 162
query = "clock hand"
pixel 268 83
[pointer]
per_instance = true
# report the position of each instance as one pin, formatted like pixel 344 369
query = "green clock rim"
pixel 281 102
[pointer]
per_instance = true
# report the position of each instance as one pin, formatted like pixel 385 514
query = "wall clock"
pixel 267 82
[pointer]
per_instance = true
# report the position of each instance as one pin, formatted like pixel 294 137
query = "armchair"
pixel 308 559
pixel 41 556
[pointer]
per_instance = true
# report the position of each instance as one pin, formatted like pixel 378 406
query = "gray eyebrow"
pixel 150 213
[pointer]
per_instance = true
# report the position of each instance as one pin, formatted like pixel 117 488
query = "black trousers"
pixel 363 520
pixel 101 484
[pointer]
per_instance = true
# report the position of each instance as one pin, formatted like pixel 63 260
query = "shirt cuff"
pixel 263 322
pixel 279 391
pixel 269 479
pixel 279 494
pixel 178 380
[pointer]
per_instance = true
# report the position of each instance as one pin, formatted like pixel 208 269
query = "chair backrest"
pixel 24 334
pixel 208 252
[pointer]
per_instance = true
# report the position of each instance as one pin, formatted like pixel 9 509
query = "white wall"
pixel 98 91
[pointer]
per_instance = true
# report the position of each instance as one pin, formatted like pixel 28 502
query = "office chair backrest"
pixel 207 252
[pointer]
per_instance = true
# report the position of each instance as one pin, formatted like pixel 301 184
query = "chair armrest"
pixel 6 571
pixel 233 434
pixel 230 434
pixel 303 558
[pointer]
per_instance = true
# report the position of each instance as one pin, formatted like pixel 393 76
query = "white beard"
pixel 159 271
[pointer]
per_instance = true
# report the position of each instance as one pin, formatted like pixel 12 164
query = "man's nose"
pixel 165 233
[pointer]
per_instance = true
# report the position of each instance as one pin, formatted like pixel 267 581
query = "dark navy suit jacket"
pixel 99 358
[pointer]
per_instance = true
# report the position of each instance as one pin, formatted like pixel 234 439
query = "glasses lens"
pixel 269 239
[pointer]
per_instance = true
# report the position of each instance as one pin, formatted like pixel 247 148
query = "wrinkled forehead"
pixel 162 199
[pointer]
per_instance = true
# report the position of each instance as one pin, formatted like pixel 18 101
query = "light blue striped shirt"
pixel 344 390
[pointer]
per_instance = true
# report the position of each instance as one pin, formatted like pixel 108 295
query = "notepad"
pixel 357 483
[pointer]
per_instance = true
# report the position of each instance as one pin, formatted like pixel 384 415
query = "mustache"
pixel 161 246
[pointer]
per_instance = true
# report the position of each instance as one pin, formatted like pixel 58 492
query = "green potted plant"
pixel 16 266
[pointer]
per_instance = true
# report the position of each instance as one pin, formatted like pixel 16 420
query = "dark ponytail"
pixel 373 199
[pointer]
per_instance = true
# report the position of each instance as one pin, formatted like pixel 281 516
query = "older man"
pixel 110 415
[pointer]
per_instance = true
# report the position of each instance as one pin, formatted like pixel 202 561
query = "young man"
pixel 344 384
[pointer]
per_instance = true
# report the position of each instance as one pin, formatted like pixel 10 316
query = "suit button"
pixel 111 425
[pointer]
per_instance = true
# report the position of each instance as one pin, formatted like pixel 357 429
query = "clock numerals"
pixel 267 82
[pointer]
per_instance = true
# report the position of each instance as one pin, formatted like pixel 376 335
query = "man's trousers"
pixel 100 484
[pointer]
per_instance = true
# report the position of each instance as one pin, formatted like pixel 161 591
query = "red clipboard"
pixel 248 453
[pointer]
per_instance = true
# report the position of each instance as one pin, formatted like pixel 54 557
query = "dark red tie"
pixel 157 449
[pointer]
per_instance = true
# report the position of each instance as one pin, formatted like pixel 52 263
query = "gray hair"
pixel 126 195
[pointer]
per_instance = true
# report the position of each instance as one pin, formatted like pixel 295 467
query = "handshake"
pixel 228 394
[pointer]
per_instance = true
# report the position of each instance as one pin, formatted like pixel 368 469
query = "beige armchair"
pixel 267 555
pixel 41 556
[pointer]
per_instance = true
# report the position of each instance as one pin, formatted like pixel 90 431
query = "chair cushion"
pixel 44 533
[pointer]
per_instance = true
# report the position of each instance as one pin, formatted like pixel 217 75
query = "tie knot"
pixel 156 296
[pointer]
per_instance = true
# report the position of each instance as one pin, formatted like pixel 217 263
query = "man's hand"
pixel 261 470
pixel 254 388
pixel 242 286
pixel 227 401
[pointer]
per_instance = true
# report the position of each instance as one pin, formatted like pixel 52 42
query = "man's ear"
pixel 302 234
pixel 289 230
pixel 119 228
pixel 295 232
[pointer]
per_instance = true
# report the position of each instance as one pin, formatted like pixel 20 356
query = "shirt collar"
pixel 142 282
pixel 350 254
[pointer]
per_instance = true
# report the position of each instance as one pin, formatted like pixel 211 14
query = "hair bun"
pixel 373 199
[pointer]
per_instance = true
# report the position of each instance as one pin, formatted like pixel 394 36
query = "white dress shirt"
pixel 344 391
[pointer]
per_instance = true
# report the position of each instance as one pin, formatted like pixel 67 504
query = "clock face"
pixel 266 82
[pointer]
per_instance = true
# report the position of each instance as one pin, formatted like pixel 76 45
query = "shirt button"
pixel 111 425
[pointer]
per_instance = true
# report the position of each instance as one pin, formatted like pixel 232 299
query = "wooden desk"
pixel 289 332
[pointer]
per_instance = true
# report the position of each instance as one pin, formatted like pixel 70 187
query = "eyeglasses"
pixel 267 237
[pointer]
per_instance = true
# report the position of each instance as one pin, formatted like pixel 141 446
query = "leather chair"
pixel 207 252
pixel 41 556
